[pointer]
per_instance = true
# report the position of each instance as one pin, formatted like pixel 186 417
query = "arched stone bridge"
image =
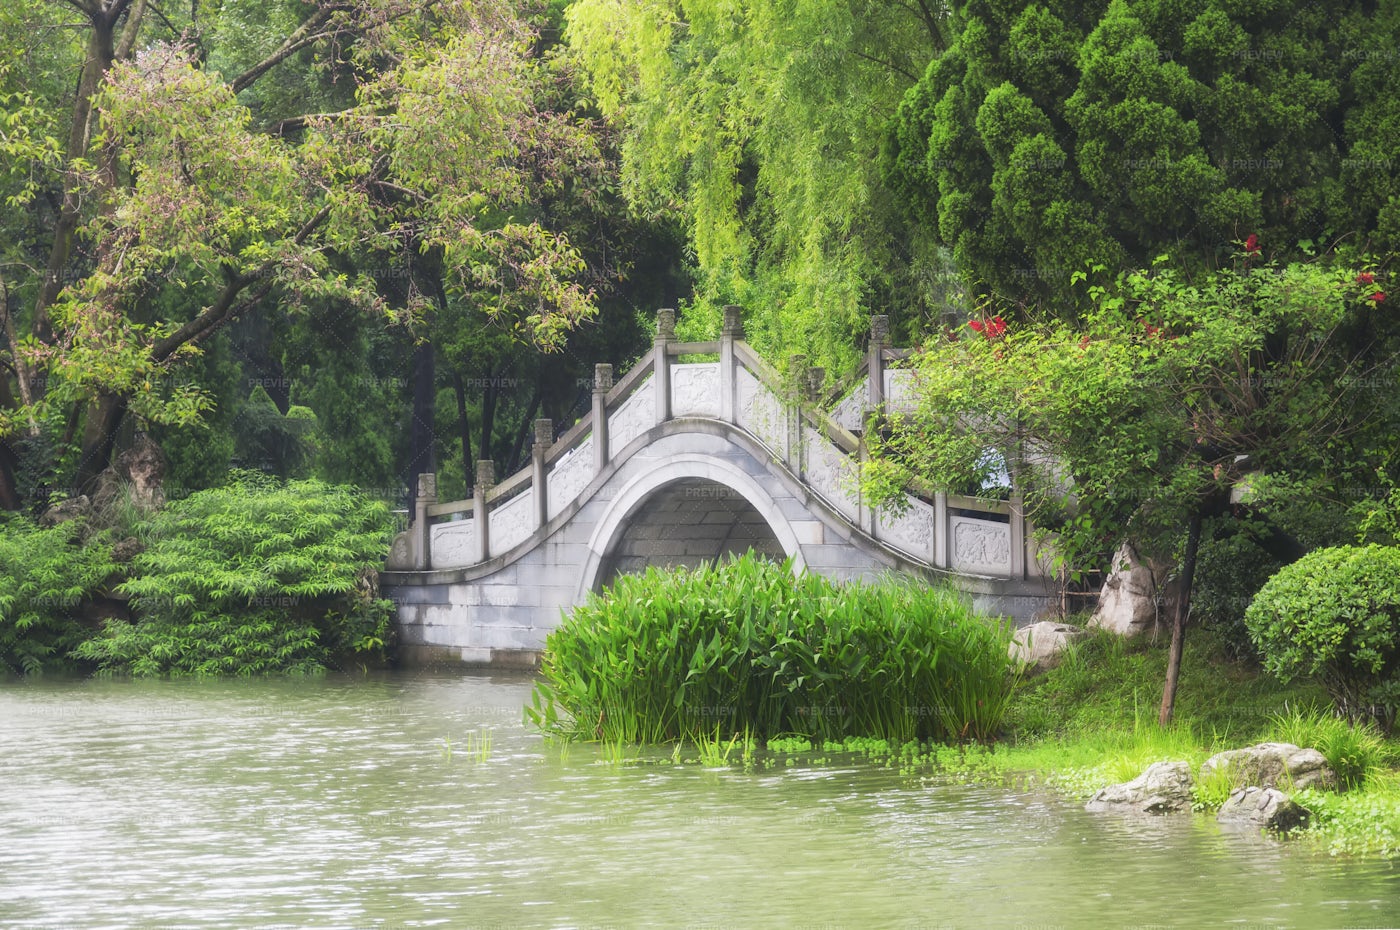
pixel 681 463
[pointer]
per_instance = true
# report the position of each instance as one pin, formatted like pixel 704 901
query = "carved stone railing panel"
pixel 899 390
pixel 980 547
pixel 454 544
pixel 695 390
pixel 632 418
pixel 911 532
pixel 850 413
pixel 831 473
pixel 570 475
pixel 512 522
pixel 760 412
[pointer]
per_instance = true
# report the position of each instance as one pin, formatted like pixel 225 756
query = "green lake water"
pixel 358 803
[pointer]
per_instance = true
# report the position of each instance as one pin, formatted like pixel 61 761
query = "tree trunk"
pixel 488 415
pixel 525 431
pixel 104 418
pixel 1183 609
pixel 421 440
pixel 100 52
pixel 9 459
pixel 464 431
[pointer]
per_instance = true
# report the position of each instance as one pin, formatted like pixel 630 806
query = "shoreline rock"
pixel 1269 765
pixel 1265 808
pixel 1164 788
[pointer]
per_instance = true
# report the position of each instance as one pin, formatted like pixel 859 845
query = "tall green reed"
pixel 748 646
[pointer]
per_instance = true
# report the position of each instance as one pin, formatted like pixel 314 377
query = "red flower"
pixel 1251 245
pixel 1378 296
pixel 1084 343
pixel 1365 278
pixel 990 329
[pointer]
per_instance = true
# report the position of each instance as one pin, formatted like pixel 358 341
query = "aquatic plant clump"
pixel 749 647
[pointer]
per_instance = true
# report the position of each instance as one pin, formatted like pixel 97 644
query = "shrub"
pixel 1229 572
pixel 1335 615
pixel 747 647
pixel 45 575
pixel 254 577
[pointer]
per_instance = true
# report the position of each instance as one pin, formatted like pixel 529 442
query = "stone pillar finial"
pixel 666 322
pixel 733 321
pixel 880 329
pixel 602 377
pixel 816 380
pixel 485 473
pixel 427 486
pixel 544 432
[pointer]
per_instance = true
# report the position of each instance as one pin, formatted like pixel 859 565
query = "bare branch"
pixel 224 308
pixel 887 64
pixel 304 35
pixel 128 36
pixel 89 8
pixel 293 123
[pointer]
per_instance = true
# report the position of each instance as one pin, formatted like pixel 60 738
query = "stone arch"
pixel 742 495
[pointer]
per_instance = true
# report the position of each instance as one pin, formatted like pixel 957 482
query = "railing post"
pixel 661 364
pixel 733 329
pixel 1018 536
pixel 792 405
pixel 940 529
pixel 485 478
pixel 422 529
pixel 544 438
pixel 602 383
pixel 879 342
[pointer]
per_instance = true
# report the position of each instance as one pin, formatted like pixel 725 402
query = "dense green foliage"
pixel 1053 133
pixel 1335 615
pixel 747 647
pixel 1130 420
pixel 309 192
pixel 1233 567
pixel 46 575
pixel 254 577
pixel 761 125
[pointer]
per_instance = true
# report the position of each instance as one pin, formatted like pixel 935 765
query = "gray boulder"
pixel 73 508
pixel 1136 597
pixel 1266 808
pixel 1271 765
pixel 1163 789
pixel 1040 644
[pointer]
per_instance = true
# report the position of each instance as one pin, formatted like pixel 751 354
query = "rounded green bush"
pixel 1335 615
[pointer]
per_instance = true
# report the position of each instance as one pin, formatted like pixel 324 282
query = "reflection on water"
pixel 371 803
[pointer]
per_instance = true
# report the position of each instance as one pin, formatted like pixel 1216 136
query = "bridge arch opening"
pixel 688 523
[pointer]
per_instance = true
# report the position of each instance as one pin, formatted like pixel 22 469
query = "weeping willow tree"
pixel 762 124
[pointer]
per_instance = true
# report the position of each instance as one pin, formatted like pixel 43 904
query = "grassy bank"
pixel 1091 722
